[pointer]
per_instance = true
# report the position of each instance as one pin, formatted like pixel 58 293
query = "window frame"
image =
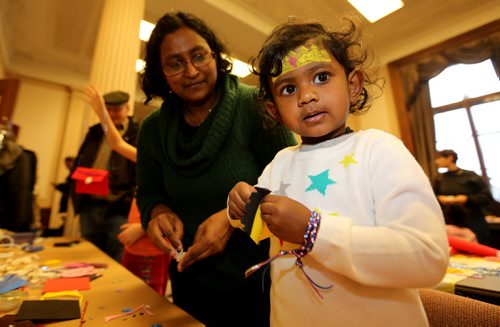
pixel 467 104
pixel 423 150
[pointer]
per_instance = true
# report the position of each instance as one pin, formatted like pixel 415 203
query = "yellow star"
pixel 348 159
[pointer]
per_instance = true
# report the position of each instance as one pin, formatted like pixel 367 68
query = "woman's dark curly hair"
pixel 152 80
pixel 345 46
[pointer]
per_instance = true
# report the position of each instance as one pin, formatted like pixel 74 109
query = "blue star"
pixel 320 182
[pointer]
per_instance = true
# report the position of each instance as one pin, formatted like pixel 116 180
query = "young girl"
pixel 140 255
pixel 356 228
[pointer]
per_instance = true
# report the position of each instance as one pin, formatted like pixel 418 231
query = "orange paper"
pixel 67 284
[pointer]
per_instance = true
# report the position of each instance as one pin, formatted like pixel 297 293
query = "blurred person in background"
pixel 101 217
pixel 463 196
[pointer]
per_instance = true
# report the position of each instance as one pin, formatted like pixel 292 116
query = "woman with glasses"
pixel 208 134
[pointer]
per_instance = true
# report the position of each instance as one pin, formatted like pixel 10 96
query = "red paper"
pixel 472 247
pixel 67 284
pixel 91 181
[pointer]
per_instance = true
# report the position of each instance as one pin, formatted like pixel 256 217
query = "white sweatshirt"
pixel 381 236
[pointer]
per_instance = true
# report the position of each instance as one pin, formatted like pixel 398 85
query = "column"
pixel 117 47
pixel 113 68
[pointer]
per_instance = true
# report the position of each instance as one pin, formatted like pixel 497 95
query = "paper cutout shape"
pixel 78 272
pixel 63 294
pixel 472 247
pixel 11 282
pixel 91 181
pixel 9 320
pixel 252 219
pixel 67 284
pixel 48 310
pixel 179 255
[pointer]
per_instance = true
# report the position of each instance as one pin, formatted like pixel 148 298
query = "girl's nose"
pixel 307 95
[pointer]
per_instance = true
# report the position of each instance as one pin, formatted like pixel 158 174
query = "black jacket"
pixel 122 181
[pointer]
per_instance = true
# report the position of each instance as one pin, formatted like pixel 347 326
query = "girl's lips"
pixel 314 117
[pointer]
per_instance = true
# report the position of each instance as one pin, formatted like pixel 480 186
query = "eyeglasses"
pixel 178 65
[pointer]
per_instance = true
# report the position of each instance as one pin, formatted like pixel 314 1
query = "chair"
pixel 447 309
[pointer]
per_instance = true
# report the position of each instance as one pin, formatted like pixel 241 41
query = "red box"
pixel 91 181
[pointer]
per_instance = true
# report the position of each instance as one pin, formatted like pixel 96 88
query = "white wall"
pixel 52 120
pixel 382 115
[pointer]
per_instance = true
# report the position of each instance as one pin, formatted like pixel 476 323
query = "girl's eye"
pixel 288 89
pixel 321 77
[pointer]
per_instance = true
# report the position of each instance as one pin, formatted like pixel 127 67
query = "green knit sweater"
pixel 192 169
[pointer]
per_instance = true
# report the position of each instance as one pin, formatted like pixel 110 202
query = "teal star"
pixel 320 182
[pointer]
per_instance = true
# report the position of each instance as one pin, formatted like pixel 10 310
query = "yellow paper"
pixel 301 56
pixel 259 230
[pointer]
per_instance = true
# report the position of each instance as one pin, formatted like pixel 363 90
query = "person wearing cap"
pixel 462 195
pixel 102 216
pixel 140 255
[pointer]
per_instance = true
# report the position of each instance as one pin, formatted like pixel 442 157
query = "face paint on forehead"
pixel 301 56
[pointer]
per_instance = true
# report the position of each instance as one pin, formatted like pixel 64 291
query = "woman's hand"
pixel 96 102
pixel 210 239
pixel 238 198
pixel 165 229
pixel 287 219
pixel 130 233
pixel 452 199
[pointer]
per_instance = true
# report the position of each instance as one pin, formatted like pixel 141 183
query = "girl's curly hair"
pixel 152 80
pixel 345 45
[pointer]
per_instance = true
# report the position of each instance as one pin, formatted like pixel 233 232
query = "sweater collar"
pixel 191 151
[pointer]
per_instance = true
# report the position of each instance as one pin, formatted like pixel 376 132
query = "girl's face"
pixel 313 99
pixel 193 84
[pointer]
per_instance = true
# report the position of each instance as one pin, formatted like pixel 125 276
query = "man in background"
pixel 17 182
pixel 463 196
pixel 102 216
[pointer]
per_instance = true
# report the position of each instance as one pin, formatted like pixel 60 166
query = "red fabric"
pixel 472 247
pixel 152 270
pixel 144 259
pixel 91 181
pixel 143 246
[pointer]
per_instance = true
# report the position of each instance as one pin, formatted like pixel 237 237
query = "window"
pixel 465 100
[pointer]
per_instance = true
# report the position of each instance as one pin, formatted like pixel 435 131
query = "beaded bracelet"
pixel 306 247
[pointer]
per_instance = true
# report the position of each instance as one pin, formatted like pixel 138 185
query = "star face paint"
pixel 301 56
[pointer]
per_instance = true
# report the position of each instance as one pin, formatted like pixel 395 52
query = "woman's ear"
pixel 272 110
pixel 355 80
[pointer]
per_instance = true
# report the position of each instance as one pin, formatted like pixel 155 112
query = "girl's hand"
pixel 131 233
pixel 210 239
pixel 238 198
pixel 287 219
pixel 165 229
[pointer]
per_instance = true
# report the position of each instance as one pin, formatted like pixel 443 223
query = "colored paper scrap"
pixel 11 282
pixel 67 284
pixel 252 219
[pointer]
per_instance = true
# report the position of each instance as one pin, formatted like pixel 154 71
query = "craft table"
pixel 474 277
pixel 115 291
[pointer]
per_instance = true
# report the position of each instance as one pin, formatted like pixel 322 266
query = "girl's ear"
pixel 272 110
pixel 355 85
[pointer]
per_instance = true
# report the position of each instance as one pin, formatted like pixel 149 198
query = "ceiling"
pixel 54 39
